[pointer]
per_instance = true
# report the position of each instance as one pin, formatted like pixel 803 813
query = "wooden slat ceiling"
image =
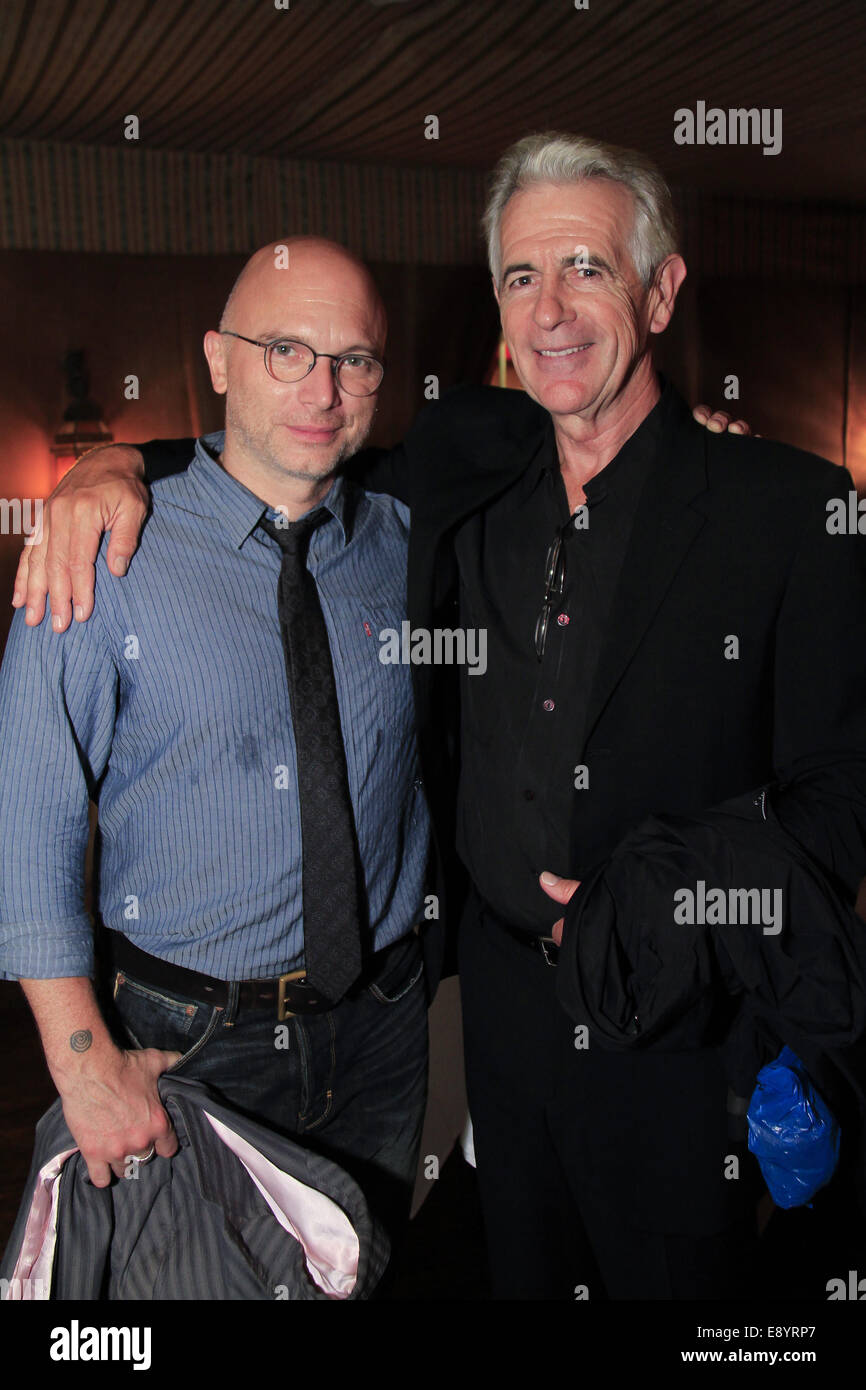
pixel 354 79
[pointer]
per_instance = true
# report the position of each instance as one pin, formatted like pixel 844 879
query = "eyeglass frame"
pixel 554 587
pixel 336 359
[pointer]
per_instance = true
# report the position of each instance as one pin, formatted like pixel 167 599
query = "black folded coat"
pixel 720 928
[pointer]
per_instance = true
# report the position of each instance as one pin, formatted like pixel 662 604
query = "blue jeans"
pixel 351 1083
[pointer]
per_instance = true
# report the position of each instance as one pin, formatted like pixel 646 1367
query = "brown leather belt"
pixel 287 994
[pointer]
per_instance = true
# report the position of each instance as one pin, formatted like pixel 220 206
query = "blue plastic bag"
pixel 792 1133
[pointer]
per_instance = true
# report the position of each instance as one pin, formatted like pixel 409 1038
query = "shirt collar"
pixel 545 460
pixel 623 473
pixel 637 450
pixel 238 510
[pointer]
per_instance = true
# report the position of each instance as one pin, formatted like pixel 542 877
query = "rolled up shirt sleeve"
pixel 58 698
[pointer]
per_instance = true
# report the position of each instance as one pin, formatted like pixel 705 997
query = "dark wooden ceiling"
pixel 355 79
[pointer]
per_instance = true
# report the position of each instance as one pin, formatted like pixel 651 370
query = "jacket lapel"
pixel 669 518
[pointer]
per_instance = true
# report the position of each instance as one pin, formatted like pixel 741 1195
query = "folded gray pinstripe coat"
pixel 238 1213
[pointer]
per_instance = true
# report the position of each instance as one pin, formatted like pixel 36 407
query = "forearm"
pixel 104 461
pixel 73 1032
pixel 110 1098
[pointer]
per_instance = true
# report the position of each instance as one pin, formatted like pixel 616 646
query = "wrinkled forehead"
pixel 558 218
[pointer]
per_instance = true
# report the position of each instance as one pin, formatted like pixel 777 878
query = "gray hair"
pixel 555 158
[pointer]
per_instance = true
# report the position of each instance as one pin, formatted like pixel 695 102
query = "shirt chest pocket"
pixel 385 673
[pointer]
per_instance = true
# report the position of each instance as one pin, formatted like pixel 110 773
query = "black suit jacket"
pixel 735 658
pixel 730 542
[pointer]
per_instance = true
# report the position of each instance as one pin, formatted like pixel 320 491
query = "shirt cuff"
pixel 60 949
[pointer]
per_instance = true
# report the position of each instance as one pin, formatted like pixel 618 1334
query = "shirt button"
pixel 548 706
pixel 563 619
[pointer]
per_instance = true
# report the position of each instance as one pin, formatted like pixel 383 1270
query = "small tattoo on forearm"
pixel 80 1041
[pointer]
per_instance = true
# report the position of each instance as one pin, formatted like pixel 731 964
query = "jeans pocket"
pixel 400 973
pixel 154 1019
pixel 138 1003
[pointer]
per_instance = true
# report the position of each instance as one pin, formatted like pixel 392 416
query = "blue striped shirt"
pixel 171 707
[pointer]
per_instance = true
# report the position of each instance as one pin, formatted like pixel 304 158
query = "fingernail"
pixel 121 564
pixel 550 879
pixel 30 615
pixel 57 623
pixel 79 612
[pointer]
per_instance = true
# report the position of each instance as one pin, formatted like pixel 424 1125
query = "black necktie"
pixel 332 940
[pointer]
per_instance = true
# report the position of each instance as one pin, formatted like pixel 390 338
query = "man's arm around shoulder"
pixel 107 490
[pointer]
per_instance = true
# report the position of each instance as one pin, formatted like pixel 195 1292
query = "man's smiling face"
pixel 574 311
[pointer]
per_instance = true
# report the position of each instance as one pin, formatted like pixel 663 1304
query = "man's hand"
pixel 109 1096
pixel 113 1111
pixel 103 492
pixel 562 890
pixel 717 421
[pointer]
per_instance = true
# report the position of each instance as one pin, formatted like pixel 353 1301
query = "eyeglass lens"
pixel 290 361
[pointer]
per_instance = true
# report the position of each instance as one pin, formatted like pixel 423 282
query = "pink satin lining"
pixel 329 1239
pixel 31 1278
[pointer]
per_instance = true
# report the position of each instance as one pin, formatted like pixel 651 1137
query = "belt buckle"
pixel 546 945
pixel 282 1012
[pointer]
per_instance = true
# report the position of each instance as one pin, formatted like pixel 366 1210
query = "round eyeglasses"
pixel 288 360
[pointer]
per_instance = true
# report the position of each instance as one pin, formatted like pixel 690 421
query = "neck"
pixel 285 492
pixel 586 445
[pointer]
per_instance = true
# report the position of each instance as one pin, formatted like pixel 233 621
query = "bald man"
pixel 200 728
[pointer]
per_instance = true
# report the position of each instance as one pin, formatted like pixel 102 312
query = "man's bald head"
pixel 313 292
pixel 311 261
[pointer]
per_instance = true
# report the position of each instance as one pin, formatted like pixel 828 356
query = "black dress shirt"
pixel 523 721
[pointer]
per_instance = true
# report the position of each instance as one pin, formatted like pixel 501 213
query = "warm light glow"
pixel 73 439
pixel 502 372
pixel 62 465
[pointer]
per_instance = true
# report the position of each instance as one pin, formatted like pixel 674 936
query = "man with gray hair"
pixel 669 625
pixel 666 630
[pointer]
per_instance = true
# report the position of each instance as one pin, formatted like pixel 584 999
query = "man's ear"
pixel 669 276
pixel 215 352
